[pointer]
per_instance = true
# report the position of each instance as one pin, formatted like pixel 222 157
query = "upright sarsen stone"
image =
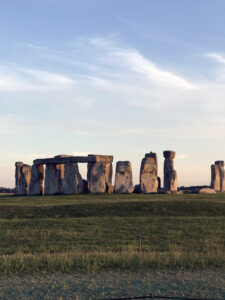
pixel 220 164
pixel 54 179
pixel 73 182
pixel 24 180
pixel 170 175
pixel 97 175
pixel 148 173
pixel 123 178
pixel 36 186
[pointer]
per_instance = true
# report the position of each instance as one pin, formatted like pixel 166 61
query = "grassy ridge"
pixel 96 232
pixel 112 205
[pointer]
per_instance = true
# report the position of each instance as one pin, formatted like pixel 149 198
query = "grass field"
pixel 112 232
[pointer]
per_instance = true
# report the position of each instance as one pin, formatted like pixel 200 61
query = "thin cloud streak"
pixel 17 79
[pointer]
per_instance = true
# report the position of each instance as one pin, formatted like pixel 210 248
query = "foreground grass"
pixel 111 232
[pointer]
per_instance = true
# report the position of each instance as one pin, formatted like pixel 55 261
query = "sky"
pixel 113 77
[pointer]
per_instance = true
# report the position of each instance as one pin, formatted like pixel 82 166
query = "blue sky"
pixel 113 77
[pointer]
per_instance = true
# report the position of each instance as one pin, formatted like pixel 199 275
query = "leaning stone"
pixel 123 178
pixel 53 179
pixel 73 182
pixel 24 181
pixel 36 186
pixel 148 174
pixel 97 177
pixel 207 191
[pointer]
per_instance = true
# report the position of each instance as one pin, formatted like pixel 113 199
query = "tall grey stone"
pixel 18 166
pixel 73 182
pixel 170 175
pixel 123 178
pixel 54 179
pixel 24 180
pixel 148 173
pixel 36 186
pixel 97 177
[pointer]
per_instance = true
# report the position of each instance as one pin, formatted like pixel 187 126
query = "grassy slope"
pixel 95 232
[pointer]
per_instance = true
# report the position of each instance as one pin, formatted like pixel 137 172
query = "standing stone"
pixel 36 186
pixel 108 172
pixel 123 178
pixel 24 180
pixel 18 166
pixel 73 182
pixel 97 177
pixel 148 173
pixel 170 175
pixel 215 177
pixel 53 179
pixel 220 164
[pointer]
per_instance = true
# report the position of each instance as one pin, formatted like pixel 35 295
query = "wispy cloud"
pixel 18 79
pixel 218 57
pixel 133 61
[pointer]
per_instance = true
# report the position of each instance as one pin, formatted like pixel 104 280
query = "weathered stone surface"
pixel 170 175
pixel 207 191
pixel 148 173
pixel 123 178
pixel 63 159
pixel 215 177
pixel 219 162
pixel 169 154
pixel 108 172
pixel 54 179
pixel 73 182
pixel 100 158
pixel 24 181
pixel 97 177
pixel 36 186
pixel 18 166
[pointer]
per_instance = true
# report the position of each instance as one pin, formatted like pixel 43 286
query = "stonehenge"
pixel 60 175
pixel 218 176
pixel 124 178
pixel 148 173
pixel 170 175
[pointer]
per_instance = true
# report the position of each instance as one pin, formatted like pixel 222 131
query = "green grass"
pixel 112 232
